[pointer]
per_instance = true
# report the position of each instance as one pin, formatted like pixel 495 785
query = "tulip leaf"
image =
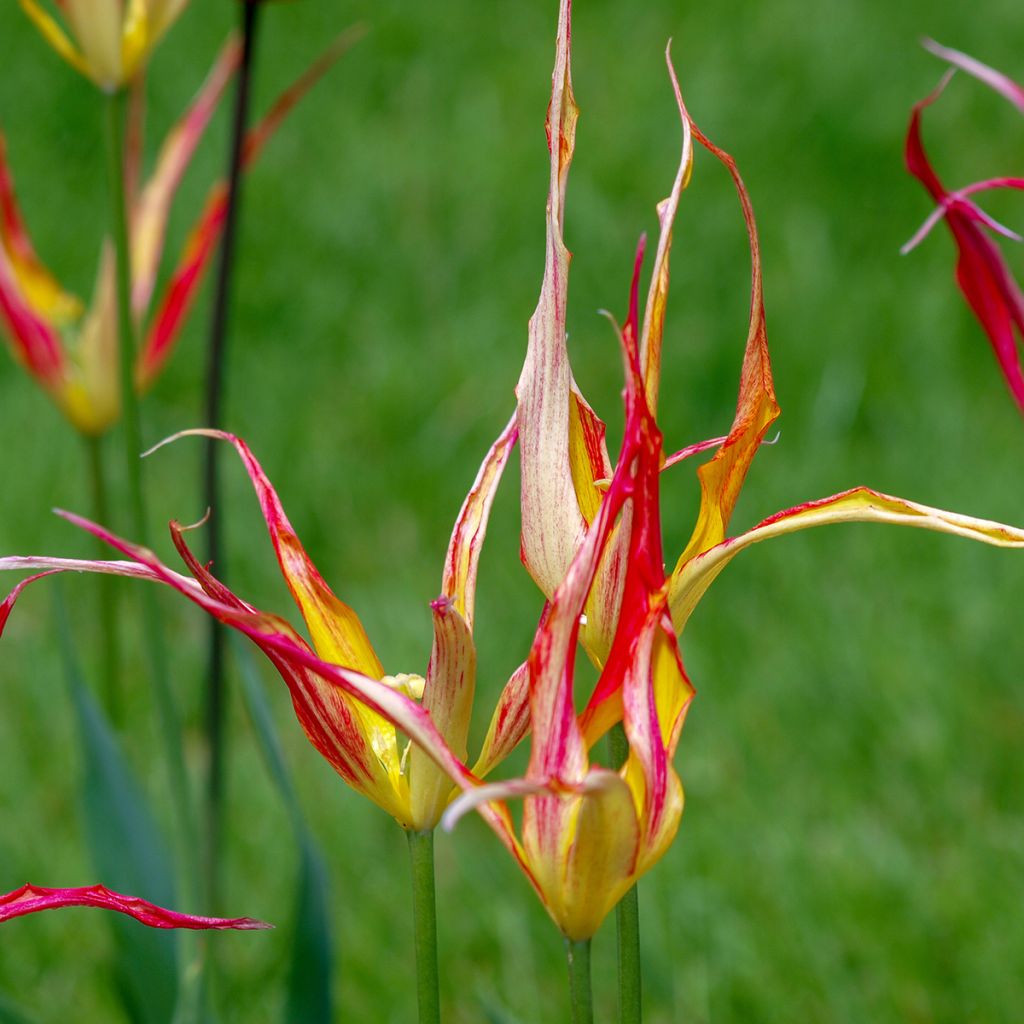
pixel 127 849
pixel 309 980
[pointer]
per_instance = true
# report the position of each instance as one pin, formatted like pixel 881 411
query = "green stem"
pixel 170 726
pixel 580 994
pixel 424 912
pixel 109 636
pixel 627 915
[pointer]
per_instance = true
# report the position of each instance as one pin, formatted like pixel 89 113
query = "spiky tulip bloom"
pixel 108 41
pixel 73 351
pixel 982 274
pixel 591 538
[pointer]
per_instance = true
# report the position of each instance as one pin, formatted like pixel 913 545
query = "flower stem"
pixel 627 916
pixel 170 728
pixel 580 994
pixel 215 681
pixel 110 639
pixel 424 911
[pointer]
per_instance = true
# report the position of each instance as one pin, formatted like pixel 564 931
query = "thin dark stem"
pixel 216 355
pixel 581 998
pixel 627 916
pixel 109 636
pixel 424 908
pixel 170 727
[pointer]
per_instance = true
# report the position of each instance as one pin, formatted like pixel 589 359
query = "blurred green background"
pixel 853 845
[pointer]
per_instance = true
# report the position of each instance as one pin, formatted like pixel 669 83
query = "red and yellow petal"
pixel 31 899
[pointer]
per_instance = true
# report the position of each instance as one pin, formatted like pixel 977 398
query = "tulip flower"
pixel 981 272
pixel 108 41
pixel 31 899
pixel 343 699
pixel 71 351
pixel 564 461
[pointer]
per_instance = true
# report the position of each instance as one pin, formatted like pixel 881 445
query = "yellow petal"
pixel 55 36
pixel 859 505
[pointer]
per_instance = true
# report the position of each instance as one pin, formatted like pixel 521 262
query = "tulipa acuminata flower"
pixel 73 352
pixel 108 41
pixel 981 271
pixel 591 539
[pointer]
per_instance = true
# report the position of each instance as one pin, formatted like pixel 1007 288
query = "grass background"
pixel 853 846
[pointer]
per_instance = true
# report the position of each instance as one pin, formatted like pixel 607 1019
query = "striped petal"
pixel 41 291
pixel 30 899
pixel 657 296
pixel 509 724
pixel 150 215
pixel 553 523
pixel 451 673
pixel 202 241
pixel 337 633
pixel 981 272
pixel 722 478
pixel 859 505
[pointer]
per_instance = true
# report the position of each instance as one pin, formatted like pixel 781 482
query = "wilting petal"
pixel 860 505
pixel 150 216
pixel 982 274
pixel 722 478
pixel 30 899
pixel 1002 84
pixel 961 195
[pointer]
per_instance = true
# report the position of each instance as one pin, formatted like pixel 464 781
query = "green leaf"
pixel 309 979
pixel 127 849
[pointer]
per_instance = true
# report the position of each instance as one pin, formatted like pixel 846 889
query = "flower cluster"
pixel 591 539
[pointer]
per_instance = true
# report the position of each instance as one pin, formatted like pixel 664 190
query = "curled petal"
pixel 722 478
pixel 1002 84
pixel 369 695
pixel 960 197
pixel 31 899
pixel 337 633
pixel 859 505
